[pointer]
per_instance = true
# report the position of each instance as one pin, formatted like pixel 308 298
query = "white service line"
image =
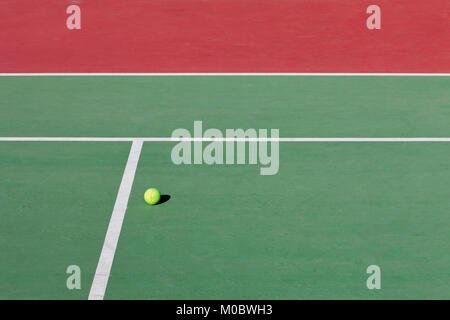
pixel 66 139
pixel 105 262
pixel 170 139
pixel 209 74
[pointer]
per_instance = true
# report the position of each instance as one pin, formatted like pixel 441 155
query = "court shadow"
pixel 164 198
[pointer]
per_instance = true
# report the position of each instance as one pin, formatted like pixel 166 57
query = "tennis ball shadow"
pixel 164 198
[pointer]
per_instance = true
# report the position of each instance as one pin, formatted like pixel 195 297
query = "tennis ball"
pixel 152 196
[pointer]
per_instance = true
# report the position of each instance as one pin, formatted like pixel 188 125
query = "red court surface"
pixel 225 36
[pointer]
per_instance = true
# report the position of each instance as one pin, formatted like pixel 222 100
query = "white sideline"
pixel 170 139
pixel 225 74
pixel 101 277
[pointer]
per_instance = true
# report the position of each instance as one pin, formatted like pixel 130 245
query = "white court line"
pixel 101 277
pixel 224 74
pixel 169 139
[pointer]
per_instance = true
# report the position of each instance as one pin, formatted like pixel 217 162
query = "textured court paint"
pixel 333 210
pixel 155 106
pixel 56 200
pixel 225 36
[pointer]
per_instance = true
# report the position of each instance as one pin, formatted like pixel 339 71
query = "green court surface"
pixel 56 203
pixel 308 232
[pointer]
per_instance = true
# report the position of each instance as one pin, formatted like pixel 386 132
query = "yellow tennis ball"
pixel 152 196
